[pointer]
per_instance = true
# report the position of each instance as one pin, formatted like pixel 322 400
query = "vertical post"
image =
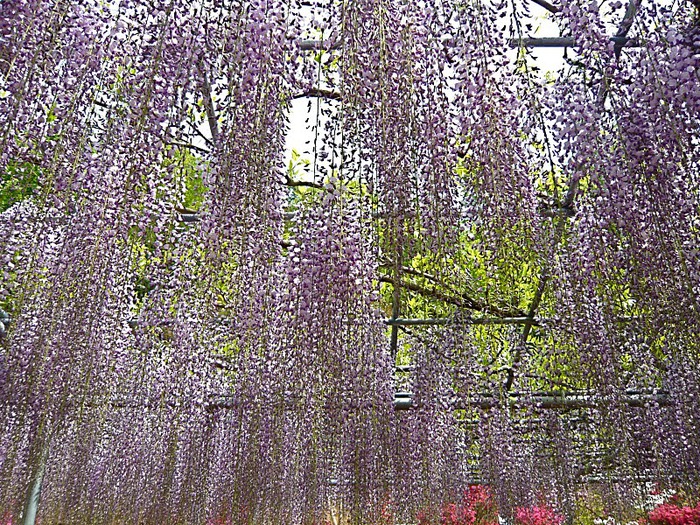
pixel 31 505
pixel 395 315
pixel 208 101
pixel 4 322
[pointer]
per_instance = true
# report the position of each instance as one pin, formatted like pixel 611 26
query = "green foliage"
pixel 147 250
pixel 590 508
pixel 188 177
pixel 19 181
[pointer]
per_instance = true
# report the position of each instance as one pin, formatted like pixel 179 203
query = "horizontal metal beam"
pixel 484 401
pixel 544 400
pixel 557 41
pixel 317 45
pixel 194 217
pixel 445 321
pixel 401 401
pixel 190 217
pixel 567 41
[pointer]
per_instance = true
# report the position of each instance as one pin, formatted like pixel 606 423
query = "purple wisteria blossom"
pixel 192 332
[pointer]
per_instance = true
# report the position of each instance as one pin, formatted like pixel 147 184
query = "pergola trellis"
pixel 539 400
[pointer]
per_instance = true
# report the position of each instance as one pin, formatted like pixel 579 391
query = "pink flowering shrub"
pixel 669 514
pixel 385 513
pixel 480 499
pixel 422 518
pixel 477 508
pixel 219 521
pixel 539 515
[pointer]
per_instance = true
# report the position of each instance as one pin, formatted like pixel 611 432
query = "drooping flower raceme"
pixel 231 366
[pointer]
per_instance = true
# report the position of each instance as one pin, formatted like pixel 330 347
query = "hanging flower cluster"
pixel 192 335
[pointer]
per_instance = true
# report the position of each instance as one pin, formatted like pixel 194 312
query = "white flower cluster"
pixel 654 497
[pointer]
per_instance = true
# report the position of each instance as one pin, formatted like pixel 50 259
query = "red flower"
pixel 668 514
pixel 477 508
pixel 540 515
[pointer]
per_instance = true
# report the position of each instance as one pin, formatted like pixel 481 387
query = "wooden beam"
pixel 549 7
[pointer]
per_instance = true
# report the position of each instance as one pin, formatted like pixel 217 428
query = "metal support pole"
pixel 31 505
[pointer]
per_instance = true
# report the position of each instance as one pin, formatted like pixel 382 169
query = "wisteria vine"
pixel 193 332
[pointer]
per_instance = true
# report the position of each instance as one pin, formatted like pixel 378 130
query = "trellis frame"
pixel 403 401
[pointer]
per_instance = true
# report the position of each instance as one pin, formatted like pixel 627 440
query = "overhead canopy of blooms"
pixel 193 331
